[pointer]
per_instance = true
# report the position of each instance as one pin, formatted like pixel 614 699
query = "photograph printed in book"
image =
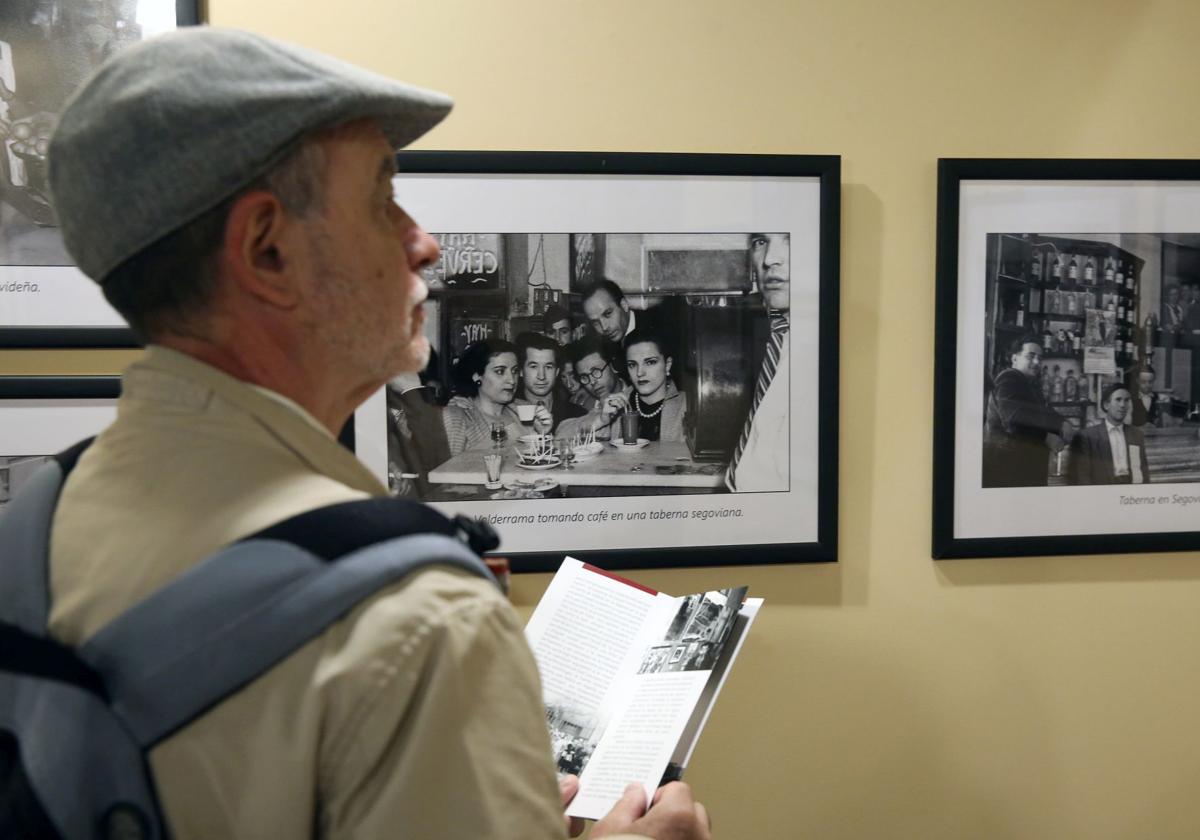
pixel 598 364
pixel 1092 359
pixel 696 635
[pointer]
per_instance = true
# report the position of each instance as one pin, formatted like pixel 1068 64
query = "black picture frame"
pixel 54 272
pixel 41 416
pixel 1004 230
pixel 635 171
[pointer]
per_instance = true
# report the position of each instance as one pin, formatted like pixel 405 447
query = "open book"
pixel 629 676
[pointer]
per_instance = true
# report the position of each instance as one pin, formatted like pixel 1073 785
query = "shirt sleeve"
pixel 435 720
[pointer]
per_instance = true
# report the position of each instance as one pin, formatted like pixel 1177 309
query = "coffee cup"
pixel 526 412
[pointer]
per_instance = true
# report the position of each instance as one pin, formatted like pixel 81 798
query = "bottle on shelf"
pixel 1121 310
pixel 1056 386
pixel 1070 303
pixel 1089 271
pixel 1053 302
pixel 1070 386
pixel 1081 387
pixel 1120 273
pixel 1076 342
pixel 1072 272
pixel 1046 385
pixel 1035 267
pixel 1047 342
pixel 1019 315
pixel 1109 269
pixel 1056 269
pixel 1062 343
pixel 1130 278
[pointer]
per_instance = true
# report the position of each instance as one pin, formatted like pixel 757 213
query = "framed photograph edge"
pixel 55 387
pixel 827 170
pixel 47 337
pixel 951 173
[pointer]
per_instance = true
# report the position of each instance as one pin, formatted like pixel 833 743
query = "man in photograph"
pixel 540 362
pixel 261 256
pixel 607 311
pixel 1020 430
pixel 416 436
pixel 761 458
pixel 556 324
pixel 596 364
pixel 1109 452
pixel 1145 403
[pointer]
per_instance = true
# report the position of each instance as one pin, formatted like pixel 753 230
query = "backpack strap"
pixel 25 536
pixel 220 625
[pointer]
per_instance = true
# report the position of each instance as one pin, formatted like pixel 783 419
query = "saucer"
pixel 620 444
pixel 537 485
pixel 542 465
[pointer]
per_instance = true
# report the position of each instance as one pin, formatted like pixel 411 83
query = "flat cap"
pixel 169 128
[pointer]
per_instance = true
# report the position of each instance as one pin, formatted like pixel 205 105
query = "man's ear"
pixel 625 304
pixel 259 249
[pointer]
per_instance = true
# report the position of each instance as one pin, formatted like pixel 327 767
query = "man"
pixel 1020 429
pixel 608 311
pixel 761 459
pixel 1110 452
pixel 556 324
pixel 416 436
pixel 1145 404
pixel 539 360
pixel 260 254
pixel 1172 329
pixel 596 364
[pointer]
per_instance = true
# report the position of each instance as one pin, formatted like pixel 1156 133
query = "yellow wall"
pixel 887 695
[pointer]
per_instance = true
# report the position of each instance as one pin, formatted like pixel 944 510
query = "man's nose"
pixel 422 249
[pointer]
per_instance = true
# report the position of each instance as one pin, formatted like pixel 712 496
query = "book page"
pixel 708 698
pixel 586 634
pixel 658 703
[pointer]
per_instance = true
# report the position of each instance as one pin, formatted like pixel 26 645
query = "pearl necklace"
pixel 637 403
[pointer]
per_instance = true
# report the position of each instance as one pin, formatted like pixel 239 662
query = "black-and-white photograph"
pixel 43 415
pixel 634 355
pixel 573 736
pixel 598 364
pixel 15 470
pixel 47 49
pixel 1093 359
pixel 1067 406
pixel 697 633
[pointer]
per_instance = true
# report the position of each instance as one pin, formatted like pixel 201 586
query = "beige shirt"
pixel 419 715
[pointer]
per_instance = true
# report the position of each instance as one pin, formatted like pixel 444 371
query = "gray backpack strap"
pixel 25 538
pixel 226 621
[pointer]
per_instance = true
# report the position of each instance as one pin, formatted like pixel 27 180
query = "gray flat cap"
pixel 169 128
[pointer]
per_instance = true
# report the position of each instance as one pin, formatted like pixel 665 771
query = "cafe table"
pixel 659 466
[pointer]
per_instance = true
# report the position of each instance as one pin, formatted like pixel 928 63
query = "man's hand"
pixel 568 786
pixel 543 422
pixel 674 815
pixel 613 404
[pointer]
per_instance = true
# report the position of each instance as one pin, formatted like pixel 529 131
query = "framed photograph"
pixel 635 356
pixel 1067 359
pixel 43 415
pixel 47 49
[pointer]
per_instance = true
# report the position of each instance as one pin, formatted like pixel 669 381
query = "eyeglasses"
pixel 593 375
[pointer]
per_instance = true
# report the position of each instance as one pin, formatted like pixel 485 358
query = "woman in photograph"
pixel 660 406
pixel 485 384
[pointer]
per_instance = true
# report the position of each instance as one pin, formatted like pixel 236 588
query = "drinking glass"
pixel 565 451
pixel 498 435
